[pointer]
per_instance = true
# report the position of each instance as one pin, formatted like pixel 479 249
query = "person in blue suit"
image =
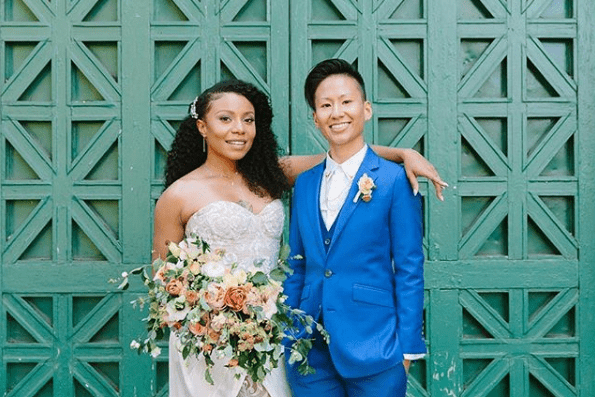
pixel 356 246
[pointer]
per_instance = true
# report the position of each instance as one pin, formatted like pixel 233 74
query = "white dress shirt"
pixel 335 186
pixel 336 183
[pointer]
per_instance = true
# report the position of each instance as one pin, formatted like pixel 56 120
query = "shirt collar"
pixel 349 166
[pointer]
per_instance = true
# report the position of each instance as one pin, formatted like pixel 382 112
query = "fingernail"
pixel 415 192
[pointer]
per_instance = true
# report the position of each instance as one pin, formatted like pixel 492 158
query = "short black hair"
pixel 328 68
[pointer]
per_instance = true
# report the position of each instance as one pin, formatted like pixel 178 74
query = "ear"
pixel 315 119
pixel 200 125
pixel 367 110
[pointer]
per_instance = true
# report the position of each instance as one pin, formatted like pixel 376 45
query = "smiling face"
pixel 228 126
pixel 340 113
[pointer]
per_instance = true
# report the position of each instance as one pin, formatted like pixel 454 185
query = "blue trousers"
pixel 327 382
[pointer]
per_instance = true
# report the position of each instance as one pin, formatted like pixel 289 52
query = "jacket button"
pixel 327 241
pixel 328 273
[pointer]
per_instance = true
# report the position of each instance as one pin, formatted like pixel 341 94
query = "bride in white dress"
pixel 224 182
pixel 228 193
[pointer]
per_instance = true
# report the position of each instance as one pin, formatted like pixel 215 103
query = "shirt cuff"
pixel 413 357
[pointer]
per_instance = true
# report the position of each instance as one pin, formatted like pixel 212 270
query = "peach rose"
pixel 160 274
pixel 174 287
pixel 232 363
pixel 191 296
pixel 235 298
pixel 367 184
pixel 214 335
pixel 197 328
pixel 248 337
pixel 254 298
pixel 215 296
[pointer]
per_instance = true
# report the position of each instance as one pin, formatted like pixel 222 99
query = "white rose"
pixel 213 269
pixel 156 352
pixel 173 315
pixel 134 345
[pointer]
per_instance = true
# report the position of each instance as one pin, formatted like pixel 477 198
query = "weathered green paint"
pixel 91 92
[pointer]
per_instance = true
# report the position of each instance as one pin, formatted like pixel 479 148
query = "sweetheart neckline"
pixel 234 203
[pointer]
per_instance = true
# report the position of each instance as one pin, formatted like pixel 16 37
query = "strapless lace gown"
pixel 246 237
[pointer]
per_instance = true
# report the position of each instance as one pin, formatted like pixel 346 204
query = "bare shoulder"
pixel 186 195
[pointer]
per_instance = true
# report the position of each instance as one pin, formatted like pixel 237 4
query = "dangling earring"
pixel 204 144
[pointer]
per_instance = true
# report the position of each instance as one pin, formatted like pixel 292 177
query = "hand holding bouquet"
pixel 216 308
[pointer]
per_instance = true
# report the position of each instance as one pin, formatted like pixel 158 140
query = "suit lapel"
pixel 369 166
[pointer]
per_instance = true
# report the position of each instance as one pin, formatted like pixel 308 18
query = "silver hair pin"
pixel 193 109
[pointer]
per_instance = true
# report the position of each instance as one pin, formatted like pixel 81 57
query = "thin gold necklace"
pixel 241 202
pixel 222 175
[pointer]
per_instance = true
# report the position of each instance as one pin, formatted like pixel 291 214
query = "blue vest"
pixel 327 235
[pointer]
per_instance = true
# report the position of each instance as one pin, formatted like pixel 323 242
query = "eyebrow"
pixel 233 111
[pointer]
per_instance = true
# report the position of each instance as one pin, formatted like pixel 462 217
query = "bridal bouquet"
pixel 218 310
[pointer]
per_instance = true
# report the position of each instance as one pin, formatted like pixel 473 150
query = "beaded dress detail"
pixel 247 238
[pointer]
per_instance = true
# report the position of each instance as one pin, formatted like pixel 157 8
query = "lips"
pixel 236 143
pixel 339 126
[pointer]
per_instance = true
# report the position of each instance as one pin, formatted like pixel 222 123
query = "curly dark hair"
pixel 259 167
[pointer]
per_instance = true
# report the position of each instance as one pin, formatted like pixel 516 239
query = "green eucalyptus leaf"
pixel 208 377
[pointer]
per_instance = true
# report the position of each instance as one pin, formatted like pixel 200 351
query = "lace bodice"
pixel 245 236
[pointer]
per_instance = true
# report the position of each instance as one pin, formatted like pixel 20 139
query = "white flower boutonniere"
pixel 365 185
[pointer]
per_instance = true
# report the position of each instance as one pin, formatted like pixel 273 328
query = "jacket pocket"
pixel 373 295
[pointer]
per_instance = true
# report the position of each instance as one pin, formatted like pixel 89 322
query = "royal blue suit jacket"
pixel 369 286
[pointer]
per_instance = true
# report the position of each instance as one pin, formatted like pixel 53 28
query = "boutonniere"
pixel 365 185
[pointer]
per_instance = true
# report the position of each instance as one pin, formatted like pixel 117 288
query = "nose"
pixel 237 127
pixel 337 110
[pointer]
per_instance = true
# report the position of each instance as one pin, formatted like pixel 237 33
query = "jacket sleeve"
pixel 407 251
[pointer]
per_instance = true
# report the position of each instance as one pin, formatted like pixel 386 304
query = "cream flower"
pixel 188 251
pixel 174 249
pixel 238 277
pixel 218 322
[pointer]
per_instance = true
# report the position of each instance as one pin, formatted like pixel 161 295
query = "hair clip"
pixel 193 109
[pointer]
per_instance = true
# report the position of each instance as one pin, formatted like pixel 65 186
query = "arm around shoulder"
pixel 294 165
pixel 415 164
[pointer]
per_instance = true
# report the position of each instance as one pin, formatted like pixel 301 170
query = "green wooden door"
pixel 497 93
